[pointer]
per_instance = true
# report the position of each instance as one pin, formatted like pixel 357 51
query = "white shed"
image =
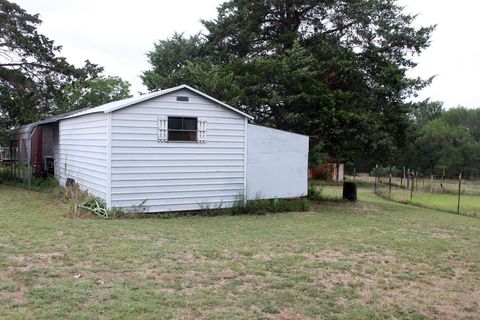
pixel 177 149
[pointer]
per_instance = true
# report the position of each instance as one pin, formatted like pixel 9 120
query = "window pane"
pixel 182 136
pixel 189 123
pixel 175 123
pixel 182 98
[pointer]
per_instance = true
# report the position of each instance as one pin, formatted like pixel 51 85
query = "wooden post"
pixel 376 177
pixel 411 187
pixel 390 185
pixel 416 180
pixel 459 191
pixel 408 178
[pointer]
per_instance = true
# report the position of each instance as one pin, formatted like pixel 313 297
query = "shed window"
pixel 182 129
pixel 182 98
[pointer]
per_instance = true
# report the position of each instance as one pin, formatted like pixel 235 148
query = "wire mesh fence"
pixel 452 193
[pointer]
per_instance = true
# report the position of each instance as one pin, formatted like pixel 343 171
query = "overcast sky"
pixel 116 34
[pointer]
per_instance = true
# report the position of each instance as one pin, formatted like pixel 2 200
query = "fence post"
pixel 431 183
pixel 411 187
pixel 408 178
pixel 390 185
pixel 354 173
pixel 376 177
pixel 416 180
pixel 459 191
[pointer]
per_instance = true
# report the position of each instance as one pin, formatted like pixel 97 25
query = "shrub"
pixel 315 192
pixel 6 175
pixel 85 205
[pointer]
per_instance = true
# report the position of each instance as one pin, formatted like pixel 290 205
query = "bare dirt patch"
pixel 288 314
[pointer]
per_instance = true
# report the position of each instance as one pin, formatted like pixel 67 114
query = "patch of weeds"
pixel 6 175
pixel 84 205
pixel 8 285
pixel 75 197
pixel 346 292
pixel 256 207
pixel 36 184
pixel 448 271
pixel 315 193
pixel 44 184
pixel 271 309
pixel 342 265
pixel 283 284
pixel 408 276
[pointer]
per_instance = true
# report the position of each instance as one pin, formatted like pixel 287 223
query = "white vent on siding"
pixel 162 128
pixel 202 130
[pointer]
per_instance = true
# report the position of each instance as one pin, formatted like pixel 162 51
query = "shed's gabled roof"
pixel 116 105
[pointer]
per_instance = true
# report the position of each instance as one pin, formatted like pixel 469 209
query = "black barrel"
pixel 350 191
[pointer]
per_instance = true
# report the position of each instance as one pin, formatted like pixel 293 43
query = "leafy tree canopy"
pixel 92 93
pixel 449 142
pixel 425 111
pixel 32 74
pixel 332 69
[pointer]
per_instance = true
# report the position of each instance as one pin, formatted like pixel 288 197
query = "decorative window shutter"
pixel 162 128
pixel 202 130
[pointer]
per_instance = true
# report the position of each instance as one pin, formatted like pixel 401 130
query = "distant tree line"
pixel 444 141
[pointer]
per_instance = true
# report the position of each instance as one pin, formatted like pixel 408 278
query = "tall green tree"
pixel 443 140
pixel 92 93
pixel 425 111
pixel 32 74
pixel 335 70
pixel 443 146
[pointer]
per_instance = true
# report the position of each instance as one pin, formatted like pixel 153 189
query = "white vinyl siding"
pixel 277 163
pixel 175 176
pixel 82 152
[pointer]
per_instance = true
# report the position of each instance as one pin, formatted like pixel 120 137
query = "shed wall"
pixel 277 163
pixel 82 152
pixel 175 176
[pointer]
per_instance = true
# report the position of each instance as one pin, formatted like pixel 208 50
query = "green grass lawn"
pixel 469 204
pixel 438 185
pixel 375 259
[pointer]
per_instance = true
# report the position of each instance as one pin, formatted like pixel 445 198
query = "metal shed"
pixel 31 147
pixel 173 150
